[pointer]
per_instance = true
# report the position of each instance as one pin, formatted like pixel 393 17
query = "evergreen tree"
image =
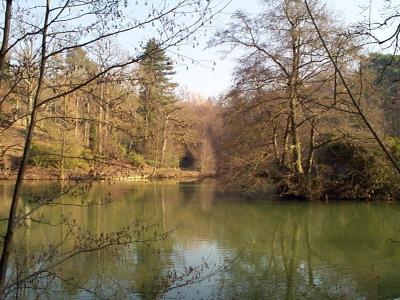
pixel 157 101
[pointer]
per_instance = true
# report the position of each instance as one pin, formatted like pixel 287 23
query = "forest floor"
pixel 12 141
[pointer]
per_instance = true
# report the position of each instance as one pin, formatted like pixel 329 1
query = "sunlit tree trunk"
pixel 294 101
pixel 76 122
pixel 164 141
pixel 100 120
pixel 62 158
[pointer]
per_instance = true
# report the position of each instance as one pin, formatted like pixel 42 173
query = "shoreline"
pixel 43 174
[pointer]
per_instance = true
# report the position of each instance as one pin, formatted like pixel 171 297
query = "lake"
pixel 218 246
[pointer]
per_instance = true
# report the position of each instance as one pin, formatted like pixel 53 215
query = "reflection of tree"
pixel 151 266
pixel 289 260
pixel 309 255
pixel 291 250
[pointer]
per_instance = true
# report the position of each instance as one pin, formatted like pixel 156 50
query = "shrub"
pixel 394 144
pixel 353 170
pixel 46 156
pixel 43 156
pixel 137 160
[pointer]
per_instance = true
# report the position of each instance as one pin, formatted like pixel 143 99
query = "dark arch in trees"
pixel 187 161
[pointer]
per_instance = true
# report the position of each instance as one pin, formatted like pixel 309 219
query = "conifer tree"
pixel 158 101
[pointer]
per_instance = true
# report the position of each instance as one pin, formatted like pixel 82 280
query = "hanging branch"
pixel 5 254
pixel 353 100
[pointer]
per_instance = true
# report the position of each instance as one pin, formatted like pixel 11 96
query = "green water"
pixel 270 249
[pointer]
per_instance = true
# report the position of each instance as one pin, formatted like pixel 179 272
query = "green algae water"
pixel 237 248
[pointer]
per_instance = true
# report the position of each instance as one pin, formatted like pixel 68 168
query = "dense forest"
pixel 287 120
pixel 131 118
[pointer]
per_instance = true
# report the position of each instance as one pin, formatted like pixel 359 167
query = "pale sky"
pixel 211 83
pixel 207 79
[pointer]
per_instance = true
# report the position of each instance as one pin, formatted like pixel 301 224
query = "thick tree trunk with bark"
pixel 6 37
pixel 294 101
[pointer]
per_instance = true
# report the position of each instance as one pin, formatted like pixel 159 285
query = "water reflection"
pixel 284 250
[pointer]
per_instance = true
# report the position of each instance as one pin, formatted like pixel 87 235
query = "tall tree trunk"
pixel 146 118
pixel 294 101
pixel 164 141
pixel 76 117
pixel 29 104
pixel 6 36
pixel 12 221
pixel 62 160
pixel 100 120
pixel 87 127
pixel 275 142
pixel 16 107
pixel 311 150
pixel 285 151
pixel 106 114
pixel 155 164
pixel 295 147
